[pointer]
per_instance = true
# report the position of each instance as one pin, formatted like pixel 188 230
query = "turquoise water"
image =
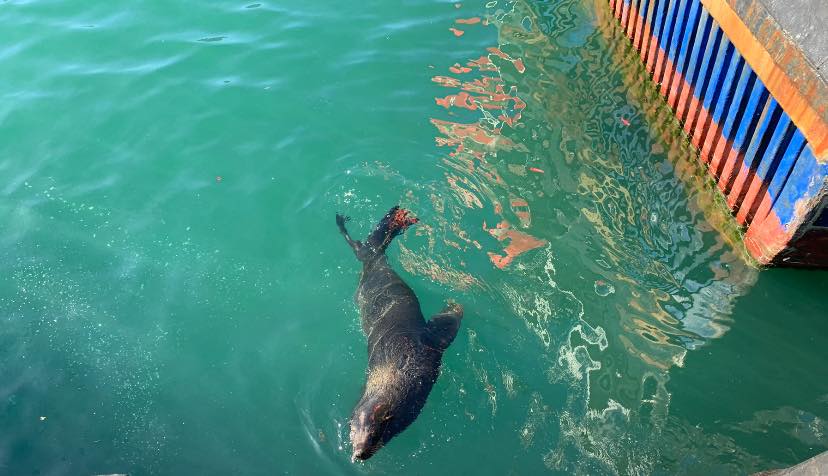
pixel 176 300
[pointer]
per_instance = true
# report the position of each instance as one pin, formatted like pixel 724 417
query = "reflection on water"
pixel 558 170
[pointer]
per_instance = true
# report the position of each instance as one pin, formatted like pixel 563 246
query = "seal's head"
pixel 383 411
pixel 369 428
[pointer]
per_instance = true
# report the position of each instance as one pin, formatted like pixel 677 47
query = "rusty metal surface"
pixel 802 21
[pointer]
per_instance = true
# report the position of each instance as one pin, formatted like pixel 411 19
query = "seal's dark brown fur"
pixel 404 351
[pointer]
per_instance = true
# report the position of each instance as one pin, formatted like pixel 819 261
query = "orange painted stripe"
pixel 783 88
pixel 723 148
pixel 739 189
pixel 765 238
pixel 628 8
pixel 732 158
pixel 659 64
pixel 677 82
pixel 764 209
pixel 632 21
pixel 667 75
pixel 652 55
pixel 639 29
pixel 693 109
pixel 625 12
pixel 704 131
pixel 646 41
pixel 701 126
pixel 670 87
pixel 683 102
pixel 713 137
pixel 711 134
pixel 745 214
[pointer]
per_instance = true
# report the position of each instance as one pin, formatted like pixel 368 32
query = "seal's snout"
pixel 364 448
pixel 365 434
pixel 360 455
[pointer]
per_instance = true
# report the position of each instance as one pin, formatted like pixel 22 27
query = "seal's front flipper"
pixel 442 328
pixel 354 244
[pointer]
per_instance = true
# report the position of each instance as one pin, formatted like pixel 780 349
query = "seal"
pixel 404 350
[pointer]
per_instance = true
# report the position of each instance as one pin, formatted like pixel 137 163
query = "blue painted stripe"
pixel 643 13
pixel 730 86
pixel 654 29
pixel 625 24
pixel 776 147
pixel 688 36
pixel 786 164
pixel 715 85
pixel 635 7
pixel 646 40
pixel 666 26
pixel 716 72
pixel 649 13
pixel 661 13
pixel 666 37
pixel 750 116
pixel 650 16
pixel 761 139
pixel 736 112
pixel 768 164
pixel 679 26
pixel 706 70
pixel 632 22
pixel 804 183
pixel 694 65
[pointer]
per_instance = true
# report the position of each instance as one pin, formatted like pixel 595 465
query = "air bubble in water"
pixel 603 288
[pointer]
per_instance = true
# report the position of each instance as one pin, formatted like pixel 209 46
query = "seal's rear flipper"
pixel 392 224
pixel 442 328
pixel 354 244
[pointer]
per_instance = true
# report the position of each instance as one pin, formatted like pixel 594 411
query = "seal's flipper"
pixel 442 328
pixel 354 244
pixel 396 221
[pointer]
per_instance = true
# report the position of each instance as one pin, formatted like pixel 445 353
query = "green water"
pixel 175 298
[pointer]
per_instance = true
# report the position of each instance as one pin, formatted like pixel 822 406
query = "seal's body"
pixel 404 351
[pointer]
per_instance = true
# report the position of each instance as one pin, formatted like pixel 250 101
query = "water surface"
pixel 175 298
